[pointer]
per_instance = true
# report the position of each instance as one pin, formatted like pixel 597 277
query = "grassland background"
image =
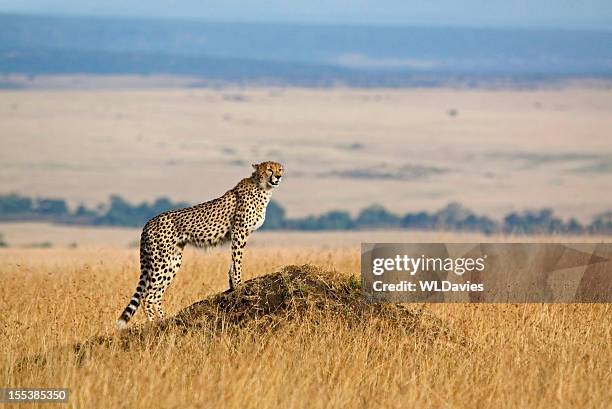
pixel 530 355
pixel 501 150
pixel 495 150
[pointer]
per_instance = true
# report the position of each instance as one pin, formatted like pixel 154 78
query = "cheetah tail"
pixel 131 308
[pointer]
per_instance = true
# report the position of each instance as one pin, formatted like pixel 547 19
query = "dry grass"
pixel 315 344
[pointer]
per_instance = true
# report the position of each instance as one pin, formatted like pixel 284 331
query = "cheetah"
pixel 231 217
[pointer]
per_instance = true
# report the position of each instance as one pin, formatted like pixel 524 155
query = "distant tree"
pixel 421 220
pixel 574 227
pixel 82 215
pixel 83 212
pixel 376 216
pixel 163 204
pixel 15 204
pixel 122 213
pixel 539 222
pixel 275 217
pixel 601 224
pixel 2 242
pixel 336 220
pixel 51 207
pixel 514 223
pixel 454 216
pixel 306 223
pixel 333 220
pixel 478 223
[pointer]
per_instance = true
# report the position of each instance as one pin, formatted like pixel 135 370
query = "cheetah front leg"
pixel 239 239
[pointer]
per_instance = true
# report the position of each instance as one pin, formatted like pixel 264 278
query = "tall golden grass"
pixel 538 356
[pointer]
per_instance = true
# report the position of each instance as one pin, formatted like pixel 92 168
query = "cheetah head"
pixel 268 174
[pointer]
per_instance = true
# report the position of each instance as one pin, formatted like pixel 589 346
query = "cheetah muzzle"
pixel 231 217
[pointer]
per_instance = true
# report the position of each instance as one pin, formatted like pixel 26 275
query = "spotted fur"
pixel 231 217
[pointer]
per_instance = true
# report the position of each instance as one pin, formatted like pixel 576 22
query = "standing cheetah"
pixel 233 216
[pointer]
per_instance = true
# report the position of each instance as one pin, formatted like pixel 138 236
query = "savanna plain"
pixel 321 349
pixel 297 336
pixel 493 150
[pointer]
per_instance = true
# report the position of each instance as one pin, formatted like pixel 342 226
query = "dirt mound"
pixel 296 294
pixel 269 301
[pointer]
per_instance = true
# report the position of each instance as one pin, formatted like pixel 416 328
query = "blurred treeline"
pixel 453 217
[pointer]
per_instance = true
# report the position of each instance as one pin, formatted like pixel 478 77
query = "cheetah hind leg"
pixel 153 302
pixel 230 285
pixel 150 306
pixel 159 284
pixel 233 281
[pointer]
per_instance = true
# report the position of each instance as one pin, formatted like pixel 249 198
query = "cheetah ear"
pixel 254 166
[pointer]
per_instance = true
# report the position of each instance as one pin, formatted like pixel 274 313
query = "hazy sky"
pixel 590 14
